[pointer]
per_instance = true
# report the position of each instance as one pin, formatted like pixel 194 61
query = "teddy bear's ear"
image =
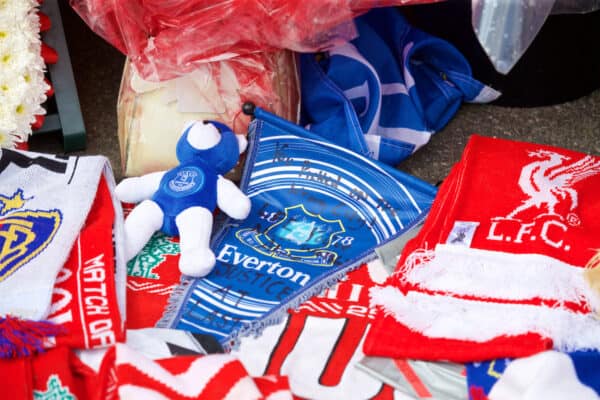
pixel 242 143
pixel 203 136
pixel 188 124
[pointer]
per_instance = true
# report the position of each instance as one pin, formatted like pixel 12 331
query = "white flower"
pixel 8 141
pixel 22 85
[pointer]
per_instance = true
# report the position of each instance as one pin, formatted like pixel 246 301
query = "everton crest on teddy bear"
pixel 181 201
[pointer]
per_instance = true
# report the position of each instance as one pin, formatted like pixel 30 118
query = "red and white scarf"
pixel 497 269
pixel 130 375
pixel 85 299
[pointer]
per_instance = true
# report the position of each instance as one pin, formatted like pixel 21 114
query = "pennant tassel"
pixel 22 338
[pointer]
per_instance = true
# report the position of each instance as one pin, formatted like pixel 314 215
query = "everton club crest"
pixel 23 233
pixel 187 179
pixel 299 236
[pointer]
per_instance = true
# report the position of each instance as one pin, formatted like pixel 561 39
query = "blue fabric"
pixel 484 375
pixel 481 376
pixel 191 184
pixel 318 210
pixel 587 366
pixel 222 157
pixel 384 93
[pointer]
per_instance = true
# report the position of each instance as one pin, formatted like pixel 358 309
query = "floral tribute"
pixel 23 87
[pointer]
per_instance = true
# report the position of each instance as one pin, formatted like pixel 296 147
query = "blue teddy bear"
pixel 181 201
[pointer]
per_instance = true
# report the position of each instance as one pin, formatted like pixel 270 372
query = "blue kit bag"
pixel 318 211
pixel 386 92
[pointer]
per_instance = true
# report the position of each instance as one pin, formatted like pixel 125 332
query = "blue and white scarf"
pixel 318 210
pixel 386 92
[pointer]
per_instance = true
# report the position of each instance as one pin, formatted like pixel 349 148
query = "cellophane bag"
pixel 152 115
pixel 167 38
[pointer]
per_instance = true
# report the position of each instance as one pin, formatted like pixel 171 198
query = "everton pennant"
pixel 299 236
pixel 318 210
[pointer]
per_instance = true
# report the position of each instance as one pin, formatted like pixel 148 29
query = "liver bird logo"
pixel 549 181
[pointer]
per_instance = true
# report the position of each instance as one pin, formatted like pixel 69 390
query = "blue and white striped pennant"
pixel 318 210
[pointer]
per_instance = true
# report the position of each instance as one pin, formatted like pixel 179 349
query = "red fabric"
pixel 22 146
pixel 272 384
pixel 84 299
pixel 148 294
pixel 178 378
pixel 39 122
pixel 16 375
pixel 107 378
pixel 87 380
pixel 49 55
pixel 526 198
pixel 45 23
pixel 50 91
pixel 484 187
pixel 55 374
pixel 151 277
pixel 53 365
pixel 388 338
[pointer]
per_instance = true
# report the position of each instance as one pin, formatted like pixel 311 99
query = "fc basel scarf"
pixel 498 268
pixel 318 210
pixel 44 203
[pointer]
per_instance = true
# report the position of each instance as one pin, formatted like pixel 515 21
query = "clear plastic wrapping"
pixel 152 114
pixel 506 28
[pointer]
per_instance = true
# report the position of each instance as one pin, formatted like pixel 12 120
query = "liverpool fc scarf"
pixel 84 299
pixel 318 211
pixel 44 202
pixel 497 269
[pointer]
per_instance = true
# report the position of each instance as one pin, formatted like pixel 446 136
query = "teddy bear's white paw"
pixel 197 262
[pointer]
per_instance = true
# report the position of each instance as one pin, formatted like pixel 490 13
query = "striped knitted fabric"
pixel 497 270
pixel 217 376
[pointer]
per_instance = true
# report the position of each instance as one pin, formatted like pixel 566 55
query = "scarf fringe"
pixel 22 338
pixel 438 316
pixel 498 275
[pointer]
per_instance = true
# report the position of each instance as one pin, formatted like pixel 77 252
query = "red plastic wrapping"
pixel 167 38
